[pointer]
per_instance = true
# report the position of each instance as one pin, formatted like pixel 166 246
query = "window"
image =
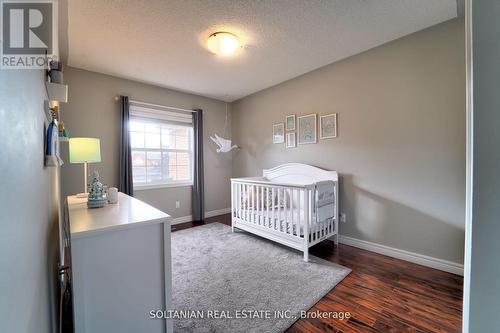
pixel 162 148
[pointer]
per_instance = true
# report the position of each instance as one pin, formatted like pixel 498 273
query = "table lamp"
pixel 84 150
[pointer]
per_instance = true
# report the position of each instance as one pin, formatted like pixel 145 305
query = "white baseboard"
pixel 443 265
pixel 218 212
pixel 182 219
pixel 211 213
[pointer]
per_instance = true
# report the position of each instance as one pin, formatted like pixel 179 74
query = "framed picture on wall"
pixel 279 133
pixel 290 122
pixel 307 129
pixel 328 126
pixel 290 140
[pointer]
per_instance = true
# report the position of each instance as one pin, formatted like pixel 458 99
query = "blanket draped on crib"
pixel 325 199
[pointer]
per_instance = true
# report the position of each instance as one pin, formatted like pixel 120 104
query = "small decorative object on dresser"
pixel 279 133
pixel 328 126
pixel 307 129
pixel 112 195
pixel 290 122
pixel 96 197
pixel 290 140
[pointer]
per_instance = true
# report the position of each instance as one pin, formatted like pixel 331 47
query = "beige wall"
pixel 28 208
pixel 401 144
pixel 93 112
pixel 484 246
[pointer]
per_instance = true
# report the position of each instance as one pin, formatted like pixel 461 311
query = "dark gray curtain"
pixel 125 184
pixel 198 187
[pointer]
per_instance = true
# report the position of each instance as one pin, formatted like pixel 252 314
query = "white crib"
pixel 282 206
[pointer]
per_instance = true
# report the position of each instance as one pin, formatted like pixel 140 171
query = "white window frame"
pixel 176 119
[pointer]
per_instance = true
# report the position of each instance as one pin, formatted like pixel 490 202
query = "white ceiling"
pixel 162 42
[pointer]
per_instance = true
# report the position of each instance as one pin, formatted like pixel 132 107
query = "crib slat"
pixel 247 209
pixel 297 217
pixel 292 224
pixel 242 202
pixel 287 210
pixel 273 216
pixel 240 193
pixel 278 222
pixel 289 218
pixel 238 200
pixel 278 199
pixel 306 214
pixel 291 209
pixel 254 204
pixel 250 204
pixel 257 216
pixel 257 221
pixel 317 224
pixel 299 207
pixel 297 192
pixel 262 205
pixel 232 200
pixel 259 204
pixel 319 227
pixel 267 207
pixel 245 202
pixel 235 195
pixel 296 208
pixel 283 211
pixel 306 217
pixel 252 193
pixel 311 211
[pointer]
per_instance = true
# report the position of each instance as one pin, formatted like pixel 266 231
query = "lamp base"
pixel 82 195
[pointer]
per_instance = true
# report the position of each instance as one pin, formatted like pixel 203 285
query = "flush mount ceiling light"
pixel 223 43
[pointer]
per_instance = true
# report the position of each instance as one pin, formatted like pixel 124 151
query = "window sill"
pixel 159 186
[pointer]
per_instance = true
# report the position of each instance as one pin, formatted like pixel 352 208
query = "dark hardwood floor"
pixel 382 294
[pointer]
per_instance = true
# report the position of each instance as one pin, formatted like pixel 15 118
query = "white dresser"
pixel 121 266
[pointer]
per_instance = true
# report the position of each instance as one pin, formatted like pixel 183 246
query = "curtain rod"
pixel 156 105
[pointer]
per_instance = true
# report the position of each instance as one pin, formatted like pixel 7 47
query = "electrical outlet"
pixel 343 217
pixel 177 204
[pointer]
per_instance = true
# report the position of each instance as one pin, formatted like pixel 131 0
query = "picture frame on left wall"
pixel 279 133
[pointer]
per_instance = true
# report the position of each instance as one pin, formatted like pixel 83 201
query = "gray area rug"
pixel 239 273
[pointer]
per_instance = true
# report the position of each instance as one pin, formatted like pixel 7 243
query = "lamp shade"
pixel 84 150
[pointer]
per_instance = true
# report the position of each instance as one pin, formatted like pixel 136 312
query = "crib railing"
pixel 281 208
pixel 294 215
